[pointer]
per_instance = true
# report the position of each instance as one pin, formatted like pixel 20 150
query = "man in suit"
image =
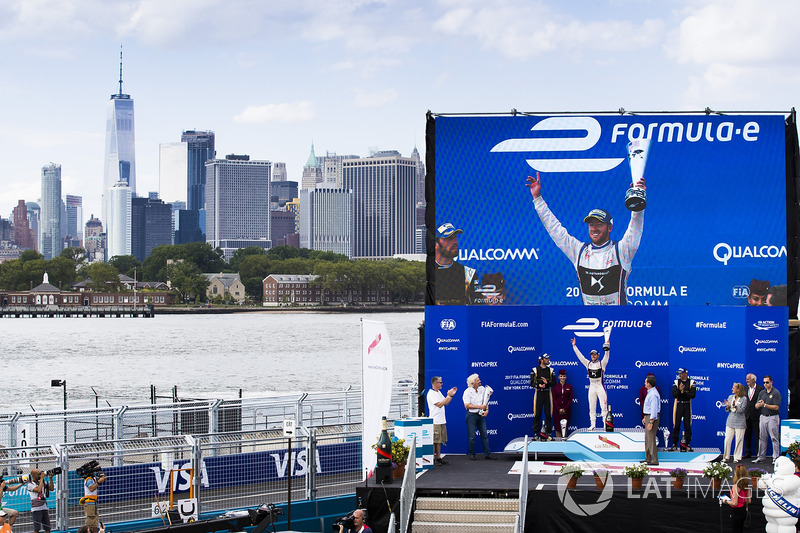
pixel 751 416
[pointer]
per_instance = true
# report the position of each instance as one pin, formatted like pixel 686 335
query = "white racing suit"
pixel 597 391
pixel 602 270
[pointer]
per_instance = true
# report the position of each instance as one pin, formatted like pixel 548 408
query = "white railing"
pixel 409 488
pixel 519 523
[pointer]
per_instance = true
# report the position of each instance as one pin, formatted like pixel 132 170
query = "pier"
pixel 77 312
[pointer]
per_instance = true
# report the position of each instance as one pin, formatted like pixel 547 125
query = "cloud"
pixel 365 98
pixel 302 111
pixel 521 30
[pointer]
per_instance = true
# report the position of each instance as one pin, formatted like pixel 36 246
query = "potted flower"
pixel 399 457
pixel 678 477
pixel 573 470
pixel 636 474
pixel 600 477
pixel 716 472
pixel 754 474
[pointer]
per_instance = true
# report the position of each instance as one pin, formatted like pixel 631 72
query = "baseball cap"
pixel 682 370
pixel 599 214
pixel 3 513
pixel 759 287
pixel 445 230
pixel 544 356
pixel 594 352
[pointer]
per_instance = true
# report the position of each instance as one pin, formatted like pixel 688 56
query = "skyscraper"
pixel 120 162
pixel 74 227
pixel 383 214
pixel 237 203
pixel 200 147
pixel 50 224
pixel 23 236
pixel 34 217
pixel 95 240
pixel 279 171
pixel 151 225
pixel 312 173
pixel 119 225
pixel 326 220
pixel 172 176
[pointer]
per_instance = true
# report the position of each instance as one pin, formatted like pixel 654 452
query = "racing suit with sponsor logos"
pixel 456 284
pixel 542 379
pixel 602 270
pixel 597 391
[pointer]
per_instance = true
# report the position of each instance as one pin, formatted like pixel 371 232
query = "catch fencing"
pixel 244 462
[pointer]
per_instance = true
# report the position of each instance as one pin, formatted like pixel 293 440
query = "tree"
pixel 241 253
pixel 154 267
pixel 252 271
pixel 30 255
pixel 61 271
pixel 75 254
pixel 105 278
pixel 187 279
pixel 204 256
pixel 126 264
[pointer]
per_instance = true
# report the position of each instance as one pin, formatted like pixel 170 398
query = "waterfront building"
pixel 383 213
pixel 237 203
pixel 228 286
pixel 279 172
pixel 74 229
pixel 312 172
pixel 172 172
pixel 282 192
pixel 151 226
pixel 300 290
pixel 119 226
pixel 120 163
pixel 326 220
pixel 50 235
pixel 24 237
pixel 95 240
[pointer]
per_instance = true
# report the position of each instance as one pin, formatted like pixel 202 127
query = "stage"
pixel 550 508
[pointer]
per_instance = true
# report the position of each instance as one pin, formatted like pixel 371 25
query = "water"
pixel 206 356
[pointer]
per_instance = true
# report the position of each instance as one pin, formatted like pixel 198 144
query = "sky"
pixel 271 77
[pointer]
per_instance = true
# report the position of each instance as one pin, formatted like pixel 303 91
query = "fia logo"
pixel 448 324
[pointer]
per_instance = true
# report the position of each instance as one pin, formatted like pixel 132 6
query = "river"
pixel 204 356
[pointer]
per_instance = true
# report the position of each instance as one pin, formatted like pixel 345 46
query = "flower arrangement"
pixel 717 471
pixel 755 472
pixel 637 471
pixel 792 450
pixel 600 472
pixel 572 469
pixel 399 450
pixel 677 472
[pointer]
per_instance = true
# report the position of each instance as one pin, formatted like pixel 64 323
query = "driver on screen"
pixel 603 265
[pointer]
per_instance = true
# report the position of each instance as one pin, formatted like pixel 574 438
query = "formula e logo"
pixel 587 131
pixel 448 324
pixel 765 325
pixel 585 327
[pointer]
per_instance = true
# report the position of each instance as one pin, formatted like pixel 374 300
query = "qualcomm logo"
pixel 448 324
pixel 765 325
pixel 585 327
pixel 640 364
pixel 720 404
pixel 512 416
pixel 512 349
pixel 724 252
pixel 586 131
pixel 585 509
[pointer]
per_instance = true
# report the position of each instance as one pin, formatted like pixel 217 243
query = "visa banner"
pixel 537 210
pixel 502 344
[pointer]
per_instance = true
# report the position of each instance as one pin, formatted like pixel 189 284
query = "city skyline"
pixel 271 78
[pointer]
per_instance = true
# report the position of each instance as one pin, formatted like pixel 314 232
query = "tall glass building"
pixel 200 148
pixel 50 222
pixel 120 158
pixel 326 220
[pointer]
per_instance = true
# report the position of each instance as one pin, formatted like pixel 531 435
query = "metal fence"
pixel 226 454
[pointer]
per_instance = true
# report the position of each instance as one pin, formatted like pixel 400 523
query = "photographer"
pixel 39 490
pixel 355 523
pixel 92 480
pixel 5 486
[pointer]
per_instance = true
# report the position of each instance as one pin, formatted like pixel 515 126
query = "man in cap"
pixel 603 265
pixel 562 403
pixel 542 379
pixel 683 390
pixel 456 284
pixel 758 292
pixel 595 369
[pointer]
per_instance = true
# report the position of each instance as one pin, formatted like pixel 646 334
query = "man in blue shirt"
pixel 652 410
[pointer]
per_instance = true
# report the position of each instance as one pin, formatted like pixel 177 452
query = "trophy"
pixel 487 393
pixel 636 198
pixel 563 429
pixel 607 333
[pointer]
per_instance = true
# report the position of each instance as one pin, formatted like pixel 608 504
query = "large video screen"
pixel 545 210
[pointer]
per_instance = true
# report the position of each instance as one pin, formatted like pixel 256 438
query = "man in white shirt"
pixel 477 406
pixel 436 403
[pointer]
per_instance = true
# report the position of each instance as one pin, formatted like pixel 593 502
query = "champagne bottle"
pixel 609 421
pixel 384 447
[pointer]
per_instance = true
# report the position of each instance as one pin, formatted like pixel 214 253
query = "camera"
pixel 89 469
pixel 346 521
pixel 53 472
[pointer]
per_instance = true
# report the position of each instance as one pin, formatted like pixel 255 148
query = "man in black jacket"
pixel 683 390
pixel 751 416
pixel 542 380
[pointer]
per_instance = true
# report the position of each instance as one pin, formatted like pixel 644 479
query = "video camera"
pixel 347 521
pixel 89 469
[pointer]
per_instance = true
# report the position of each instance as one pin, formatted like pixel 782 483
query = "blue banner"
pixel 718 347
pixel 714 221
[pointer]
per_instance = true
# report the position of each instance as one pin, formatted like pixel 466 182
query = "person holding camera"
pixel 11 514
pixel 90 484
pixel 5 527
pixel 357 524
pixel 39 490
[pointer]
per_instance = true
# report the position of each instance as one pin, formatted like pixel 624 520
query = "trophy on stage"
pixel 606 335
pixel 487 393
pixel 636 198
pixel 563 429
